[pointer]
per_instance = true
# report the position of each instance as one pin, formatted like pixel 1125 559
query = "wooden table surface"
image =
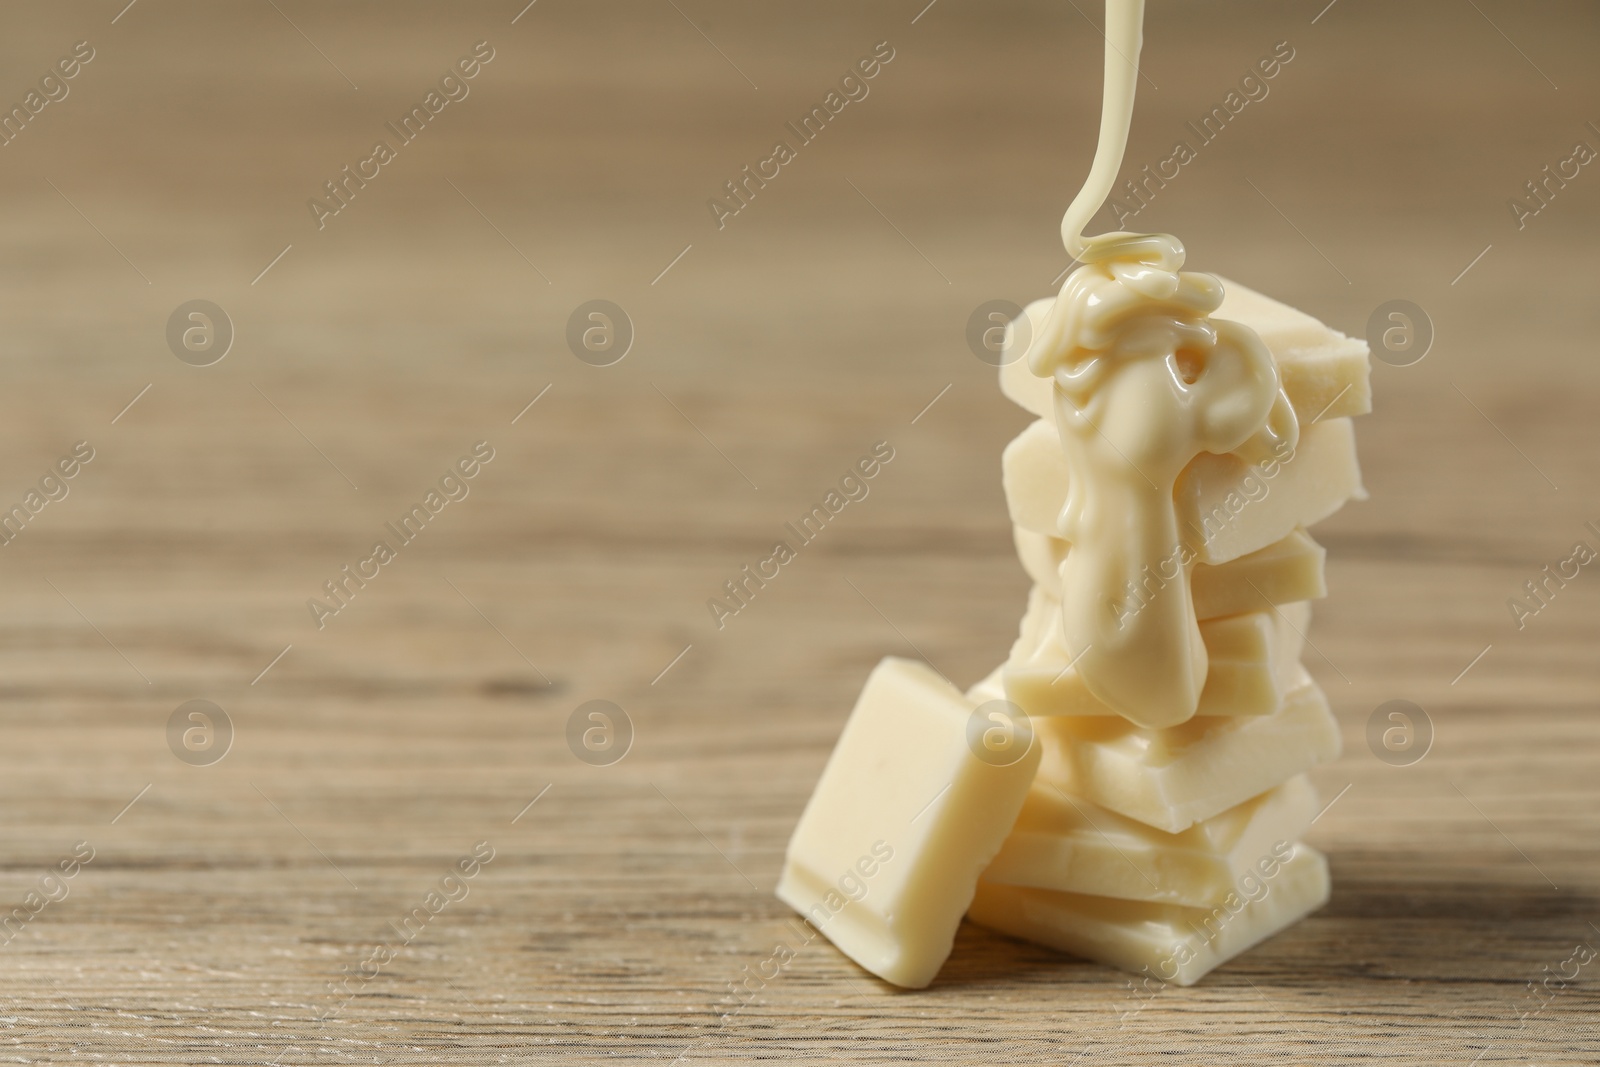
pixel 231 912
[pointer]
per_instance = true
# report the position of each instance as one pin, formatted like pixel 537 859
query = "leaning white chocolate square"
pixel 1174 777
pixel 1167 942
pixel 916 799
pixel 1068 844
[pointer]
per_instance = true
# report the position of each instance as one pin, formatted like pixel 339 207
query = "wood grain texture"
pixel 221 909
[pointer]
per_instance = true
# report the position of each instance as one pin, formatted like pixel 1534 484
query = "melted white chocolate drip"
pixel 1144 380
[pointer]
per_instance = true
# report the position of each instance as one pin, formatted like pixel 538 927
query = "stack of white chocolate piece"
pixel 1166 850
pixel 1170 850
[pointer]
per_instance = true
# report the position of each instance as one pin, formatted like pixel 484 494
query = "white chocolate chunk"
pixel 1233 508
pixel 1285 571
pixel 1254 659
pixel 1170 942
pixel 1070 845
pixel 904 819
pixel 1174 777
pixel 1227 508
pixel 1034 474
pixel 1253 662
pixel 1325 374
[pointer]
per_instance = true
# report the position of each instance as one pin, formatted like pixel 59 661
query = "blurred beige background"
pixel 371 354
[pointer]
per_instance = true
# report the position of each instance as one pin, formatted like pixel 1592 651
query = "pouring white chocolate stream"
pixel 1144 381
